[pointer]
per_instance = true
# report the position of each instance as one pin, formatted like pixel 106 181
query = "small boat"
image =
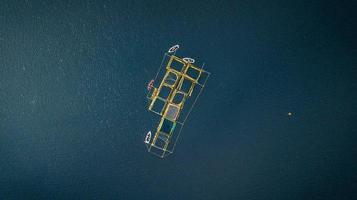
pixel 150 84
pixel 148 137
pixel 173 48
pixel 189 60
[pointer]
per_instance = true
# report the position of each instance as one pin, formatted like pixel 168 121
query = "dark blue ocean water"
pixel 73 112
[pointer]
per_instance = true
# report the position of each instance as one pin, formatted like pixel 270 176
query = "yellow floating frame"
pixel 173 99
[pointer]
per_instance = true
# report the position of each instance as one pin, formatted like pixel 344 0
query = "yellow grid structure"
pixel 173 82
